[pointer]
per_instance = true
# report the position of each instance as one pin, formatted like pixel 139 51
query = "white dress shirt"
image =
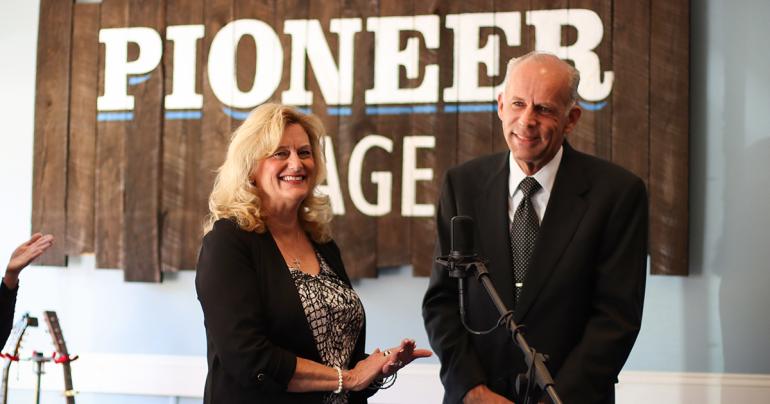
pixel 545 177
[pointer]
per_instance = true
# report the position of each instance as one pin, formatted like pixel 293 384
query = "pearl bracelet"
pixel 339 380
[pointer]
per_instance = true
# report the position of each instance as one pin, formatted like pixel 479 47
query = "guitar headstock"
pixel 55 329
pixel 17 333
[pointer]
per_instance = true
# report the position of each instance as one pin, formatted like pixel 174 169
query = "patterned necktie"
pixel 523 234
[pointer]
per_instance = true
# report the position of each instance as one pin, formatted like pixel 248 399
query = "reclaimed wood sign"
pixel 136 101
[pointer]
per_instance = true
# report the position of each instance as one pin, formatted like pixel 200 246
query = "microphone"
pixel 462 259
pixel 461 239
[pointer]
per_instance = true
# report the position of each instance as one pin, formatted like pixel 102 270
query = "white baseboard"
pixel 183 376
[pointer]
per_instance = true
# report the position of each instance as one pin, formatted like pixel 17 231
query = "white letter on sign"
pixel 183 95
pixel 590 30
pixel 411 174
pixel 383 179
pixel 222 69
pixel 388 59
pixel 336 83
pixel 468 56
pixel 117 68
pixel 332 187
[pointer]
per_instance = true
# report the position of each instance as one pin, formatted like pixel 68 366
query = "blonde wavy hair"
pixel 234 196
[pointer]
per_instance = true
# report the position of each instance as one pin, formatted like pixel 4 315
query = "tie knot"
pixel 529 186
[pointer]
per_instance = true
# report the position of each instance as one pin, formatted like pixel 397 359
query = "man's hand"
pixel 23 255
pixel 482 394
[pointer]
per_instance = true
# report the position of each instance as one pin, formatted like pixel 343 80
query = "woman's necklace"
pixel 296 263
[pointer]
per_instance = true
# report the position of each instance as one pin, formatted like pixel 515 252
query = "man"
pixel 578 286
pixel 21 257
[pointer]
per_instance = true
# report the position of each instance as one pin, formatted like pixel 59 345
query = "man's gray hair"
pixel 574 74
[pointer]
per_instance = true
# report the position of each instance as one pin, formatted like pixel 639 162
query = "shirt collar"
pixel 545 176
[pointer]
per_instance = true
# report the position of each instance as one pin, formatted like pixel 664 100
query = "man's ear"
pixel 500 105
pixel 573 116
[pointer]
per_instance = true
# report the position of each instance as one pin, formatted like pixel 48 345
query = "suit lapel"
pixel 563 214
pixel 492 229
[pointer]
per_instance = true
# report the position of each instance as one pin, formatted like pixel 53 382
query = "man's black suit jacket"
pixel 255 324
pixel 583 295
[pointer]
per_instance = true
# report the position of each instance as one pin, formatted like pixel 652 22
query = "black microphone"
pixel 461 239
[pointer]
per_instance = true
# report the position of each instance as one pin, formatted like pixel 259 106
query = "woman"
pixel 283 323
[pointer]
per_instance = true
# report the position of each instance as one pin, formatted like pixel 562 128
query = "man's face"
pixel 536 112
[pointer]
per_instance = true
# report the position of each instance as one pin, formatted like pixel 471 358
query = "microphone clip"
pixel 460 266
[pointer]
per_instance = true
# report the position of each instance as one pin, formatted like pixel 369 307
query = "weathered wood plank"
pixel 51 117
pixel 82 129
pixel 593 134
pixel 356 232
pixel 669 137
pixel 181 217
pixel 393 236
pixel 630 95
pixel 110 153
pixel 285 10
pixel 215 125
pixel 141 229
pixel 246 50
pixel 475 130
pixel 324 12
pixel 442 126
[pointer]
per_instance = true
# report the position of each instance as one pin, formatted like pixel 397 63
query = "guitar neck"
pixel 58 340
pixel 69 392
pixel 6 373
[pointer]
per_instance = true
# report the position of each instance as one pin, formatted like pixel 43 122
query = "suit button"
pixel 260 377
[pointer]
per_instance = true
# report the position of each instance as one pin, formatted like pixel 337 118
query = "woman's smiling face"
pixel 285 178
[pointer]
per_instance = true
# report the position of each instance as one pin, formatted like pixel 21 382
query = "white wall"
pixel 713 321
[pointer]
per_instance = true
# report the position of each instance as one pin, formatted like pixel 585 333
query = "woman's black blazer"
pixel 255 324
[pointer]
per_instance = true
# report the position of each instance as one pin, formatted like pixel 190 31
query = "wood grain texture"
pixel 49 191
pixel 141 229
pixel 593 134
pixel 182 217
pixel 110 154
pixel 82 130
pixel 393 235
pixel 215 125
pixel 631 95
pixel 147 179
pixel 669 137
pixel 475 130
pixel 443 125
pixel 355 232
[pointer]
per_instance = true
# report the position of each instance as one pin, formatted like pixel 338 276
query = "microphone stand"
pixel 459 269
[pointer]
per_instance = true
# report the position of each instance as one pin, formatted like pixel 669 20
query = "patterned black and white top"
pixel 335 315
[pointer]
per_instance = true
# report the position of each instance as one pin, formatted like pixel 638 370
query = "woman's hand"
pixel 381 364
pixel 361 376
pixel 402 355
pixel 23 255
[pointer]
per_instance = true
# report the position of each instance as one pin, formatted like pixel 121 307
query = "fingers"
pixel 38 247
pixel 42 241
pixel 402 355
pixel 422 353
pixel 32 239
